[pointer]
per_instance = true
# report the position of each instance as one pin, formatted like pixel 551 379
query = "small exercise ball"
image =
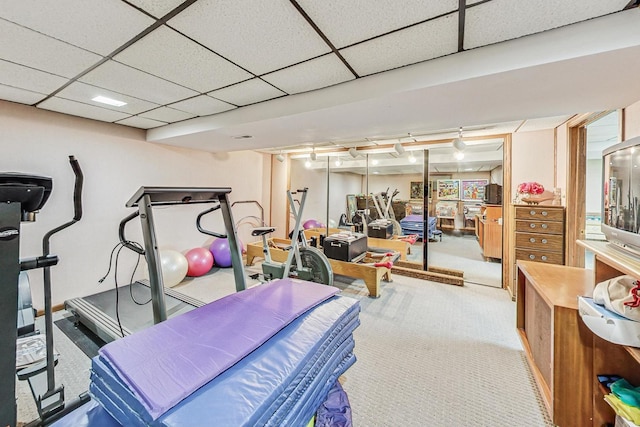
pixel 312 223
pixel 200 261
pixel 174 267
pixel 222 252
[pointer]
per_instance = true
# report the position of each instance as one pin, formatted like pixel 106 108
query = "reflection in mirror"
pixel 311 174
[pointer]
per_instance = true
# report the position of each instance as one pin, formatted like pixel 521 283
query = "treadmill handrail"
pixel 205 231
pixel 163 196
pixel 125 242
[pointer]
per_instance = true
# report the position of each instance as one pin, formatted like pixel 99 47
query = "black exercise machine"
pixel 21 196
pixel 109 321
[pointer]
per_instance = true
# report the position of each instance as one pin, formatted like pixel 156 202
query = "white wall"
pixel 378 183
pixel 593 199
pixel 632 121
pixel 533 158
pixel 340 185
pixel 315 179
pixel 116 161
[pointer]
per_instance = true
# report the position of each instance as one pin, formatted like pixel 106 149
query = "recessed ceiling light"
pixel 374 162
pixel 108 101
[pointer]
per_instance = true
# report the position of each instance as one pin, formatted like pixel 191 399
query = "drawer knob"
pixel 544 257
pixel 544 213
pixel 544 240
pixel 532 240
pixel 532 225
pixel 532 212
pixel 545 226
pixel 532 257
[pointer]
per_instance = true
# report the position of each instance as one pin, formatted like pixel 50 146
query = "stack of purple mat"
pixel 266 356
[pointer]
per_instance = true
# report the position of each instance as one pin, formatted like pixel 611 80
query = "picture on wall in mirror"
pixel 473 189
pixel 449 189
pixel 417 190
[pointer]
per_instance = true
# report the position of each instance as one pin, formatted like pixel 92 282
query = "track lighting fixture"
pixel 313 155
pixel 412 158
pixel 338 162
pixel 458 143
pixel 399 149
pixel 353 152
pixel 280 157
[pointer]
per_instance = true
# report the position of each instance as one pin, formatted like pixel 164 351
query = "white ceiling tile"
pixel 140 122
pixel 415 44
pixel 206 70
pixel 346 22
pixel 202 105
pixel 260 36
pixel 38 51
pixel 83 110
pixel 166 114
pixel 248 92
pixel 83 92
pixel 321 72
pixel 126 80
pixel 155 7
pixel 28 78
pixel 500 20
pixel 22 96
pixel 96 25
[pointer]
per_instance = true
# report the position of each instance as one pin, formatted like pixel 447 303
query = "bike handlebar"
pixel 77 189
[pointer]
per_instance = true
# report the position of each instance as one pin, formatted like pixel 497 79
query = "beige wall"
pixel 116 161
pixel 562 159
pixel 533 158
pixel 632 121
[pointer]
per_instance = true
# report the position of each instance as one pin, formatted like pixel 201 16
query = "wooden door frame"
pixel 576 183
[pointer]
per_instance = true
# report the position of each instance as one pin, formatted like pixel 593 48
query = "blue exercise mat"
pixel 248 389
pixel 167 362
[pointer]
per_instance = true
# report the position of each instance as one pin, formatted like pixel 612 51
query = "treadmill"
pixel 98 312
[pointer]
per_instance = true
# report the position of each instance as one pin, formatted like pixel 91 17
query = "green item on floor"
pixel 312 421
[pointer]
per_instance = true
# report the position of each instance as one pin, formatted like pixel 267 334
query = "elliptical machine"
pixel 21 196
pixel 303 261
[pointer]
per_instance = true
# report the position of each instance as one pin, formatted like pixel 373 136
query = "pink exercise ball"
pixel 200 261
pixel 312 223
pixel 222 253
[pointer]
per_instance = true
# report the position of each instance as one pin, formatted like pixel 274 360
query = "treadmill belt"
pixel 134 316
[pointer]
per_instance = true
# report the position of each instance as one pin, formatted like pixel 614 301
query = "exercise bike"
pixel 303 261
pixel 384 200
pixel 21 196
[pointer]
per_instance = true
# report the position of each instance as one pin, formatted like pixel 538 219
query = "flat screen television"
pixel 621 198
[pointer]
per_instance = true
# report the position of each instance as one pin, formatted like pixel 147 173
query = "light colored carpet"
pixel 462 252
pixel 428 354
pixel 431 354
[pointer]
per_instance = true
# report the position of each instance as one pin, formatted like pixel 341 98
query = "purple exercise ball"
pixel 222 253
pixel 312 223
pixel 200 261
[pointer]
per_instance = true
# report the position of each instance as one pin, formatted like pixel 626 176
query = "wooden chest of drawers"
pixel 540 234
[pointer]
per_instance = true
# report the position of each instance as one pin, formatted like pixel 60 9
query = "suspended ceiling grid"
pixel 173 61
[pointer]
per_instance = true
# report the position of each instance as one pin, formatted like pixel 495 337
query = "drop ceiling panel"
pixel 38 51
pixel 96 25
pixel 419 43
pixel 155 7
pixel 140 122
pixel 83 110
pixel 28 78
pixel 346 22
pixel 500 20
pixel 202 105
pixel 129 81
pixel 164 53
pixel 85 93
pixel 167 115
pixel 260 36
pixel 247 92
pixel 321 72
pixel 22 96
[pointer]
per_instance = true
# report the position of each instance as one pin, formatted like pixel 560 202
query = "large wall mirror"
pixel 429 184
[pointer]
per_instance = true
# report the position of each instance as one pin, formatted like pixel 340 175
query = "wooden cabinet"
pixel 540 234
pixel 558 346
pixel 609 358
pixel 489 230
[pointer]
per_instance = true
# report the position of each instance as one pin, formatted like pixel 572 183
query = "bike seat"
pixel 261 231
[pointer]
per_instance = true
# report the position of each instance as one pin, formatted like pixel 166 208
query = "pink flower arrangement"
pixel 531 188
